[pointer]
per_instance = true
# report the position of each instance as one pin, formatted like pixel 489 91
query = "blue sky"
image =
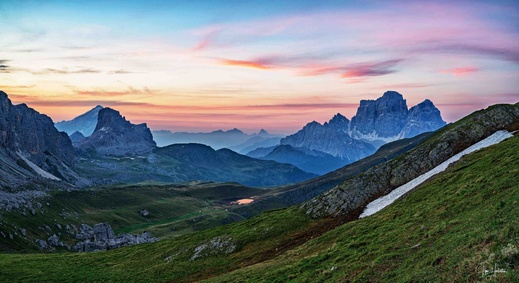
pixel 206 65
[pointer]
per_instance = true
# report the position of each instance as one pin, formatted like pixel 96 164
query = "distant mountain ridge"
pixel 119 151
pixel 84 123
pixel 234 139
pixel 376 123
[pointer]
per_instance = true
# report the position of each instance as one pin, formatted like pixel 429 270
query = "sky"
pixel 207 65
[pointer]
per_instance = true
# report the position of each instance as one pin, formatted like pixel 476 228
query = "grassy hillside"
pixel 461 226
pixel 173 210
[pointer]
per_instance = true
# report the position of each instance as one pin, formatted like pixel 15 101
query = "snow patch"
pixel 373 136
pixel 37 169
pixel 378 204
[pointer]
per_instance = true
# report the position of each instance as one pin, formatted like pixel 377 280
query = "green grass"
pixel 461 226
pixel 174 210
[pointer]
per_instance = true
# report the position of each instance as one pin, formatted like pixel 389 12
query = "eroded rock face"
pixel 115 136
pixel 356 192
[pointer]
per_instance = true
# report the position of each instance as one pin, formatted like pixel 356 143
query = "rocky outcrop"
pixel 84 123
pixel 102 237
pixel 355 193
pixel 215 246
pixel 115 136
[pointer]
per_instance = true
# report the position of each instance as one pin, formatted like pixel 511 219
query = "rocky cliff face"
pixel 355 193
pixel 84 123
pixel 30 146
pixel 384 117
pixel 116 136
pixel 24 130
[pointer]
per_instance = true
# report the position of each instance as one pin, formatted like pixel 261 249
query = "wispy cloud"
pixel 120 72
pixel 370 69
pixel 316 67
pixel 3 66
pixel 461 71
pixel 104 93
pixel 256 64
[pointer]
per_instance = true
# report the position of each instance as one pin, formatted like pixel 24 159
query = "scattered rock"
pixel 41 243
pixel 23 231
pixel 85 232
pixel 103 232
pixel 102 237
pixel 144 212
pixel 53 240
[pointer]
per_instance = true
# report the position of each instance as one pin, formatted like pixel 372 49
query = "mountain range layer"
pixel 376 122
pixel 33 151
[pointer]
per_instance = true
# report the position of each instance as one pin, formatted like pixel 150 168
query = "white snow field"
pixel 378 204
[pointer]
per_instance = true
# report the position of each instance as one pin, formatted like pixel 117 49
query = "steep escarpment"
pixel 31 148
pixel 353 194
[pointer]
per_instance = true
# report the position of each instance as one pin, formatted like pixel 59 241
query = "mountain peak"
pixel 391 94
pixel 235 131
pixel 114 135
pixel 262 132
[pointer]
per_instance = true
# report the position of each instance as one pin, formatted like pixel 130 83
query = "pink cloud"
pixel 461 71
pixel 256 64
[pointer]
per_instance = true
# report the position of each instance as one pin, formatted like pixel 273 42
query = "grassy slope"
pixel 452 228
pixel 461 226
pixel 174 210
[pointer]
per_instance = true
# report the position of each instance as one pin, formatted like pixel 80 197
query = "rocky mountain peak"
pixel 262 132
pixel 109 118
pixel 116 136
pixel 383 117
pixel 338 122
pixel 423 117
